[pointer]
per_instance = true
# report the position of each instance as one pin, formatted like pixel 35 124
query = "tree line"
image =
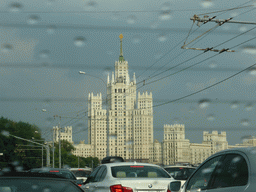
pixel 25 155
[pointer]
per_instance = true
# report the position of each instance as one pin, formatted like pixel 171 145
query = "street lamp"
pixel 42 149
pixel 43 145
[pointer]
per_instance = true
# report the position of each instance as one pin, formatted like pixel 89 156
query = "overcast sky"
pixel 44 44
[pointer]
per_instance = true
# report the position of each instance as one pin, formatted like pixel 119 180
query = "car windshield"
pixel 180 173
pixel 81 173
pixel 163 82
pixel 30 184
pixel 138 171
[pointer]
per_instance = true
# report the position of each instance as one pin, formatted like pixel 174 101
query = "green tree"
pixel 17 150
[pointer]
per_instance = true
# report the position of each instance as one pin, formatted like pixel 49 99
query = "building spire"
pixel 121 57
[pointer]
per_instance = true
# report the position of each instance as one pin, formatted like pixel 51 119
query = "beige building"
pixel 125 128
pixel 65 133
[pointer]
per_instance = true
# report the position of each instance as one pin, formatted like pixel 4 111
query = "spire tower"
pixel 121 57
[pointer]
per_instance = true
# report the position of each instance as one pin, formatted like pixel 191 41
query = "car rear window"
pixel 81 173
pixel 138 171
pixel 180 173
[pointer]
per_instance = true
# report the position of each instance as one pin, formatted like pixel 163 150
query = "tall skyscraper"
pixel 125 128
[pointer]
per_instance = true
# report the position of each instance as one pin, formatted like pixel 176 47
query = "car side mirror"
pixel 174 186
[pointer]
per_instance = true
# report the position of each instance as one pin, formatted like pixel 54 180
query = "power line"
pixel 206 87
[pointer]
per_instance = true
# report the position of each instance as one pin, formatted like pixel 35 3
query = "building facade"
pixel 125 127
pixel 64 133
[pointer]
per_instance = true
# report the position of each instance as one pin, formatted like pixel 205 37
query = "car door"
pixel 201 177
pixel 90 182
pixel 232 175
pixel 101 185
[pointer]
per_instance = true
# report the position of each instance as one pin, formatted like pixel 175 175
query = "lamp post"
pixel 43 145
pixel 42 149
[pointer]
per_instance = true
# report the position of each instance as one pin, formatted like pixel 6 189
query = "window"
pixel 202 176
pixel 232 172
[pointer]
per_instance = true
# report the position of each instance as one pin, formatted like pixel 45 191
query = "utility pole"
pixel 59 131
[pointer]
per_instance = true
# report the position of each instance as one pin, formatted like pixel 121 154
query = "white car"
pixel 180 172
pixel 128 177
pixel 232 170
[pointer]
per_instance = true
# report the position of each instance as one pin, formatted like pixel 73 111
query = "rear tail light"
pixel 168 190
pixel 120 188
pixel 80 185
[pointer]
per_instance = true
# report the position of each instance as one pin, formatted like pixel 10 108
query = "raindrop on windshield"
pixel 15 7
pixel 92 4
pixel 131 19
pixel 245 122
pixel 249 107
pixel 249 49
pixel 79 41
pixel 204 103
pixel 210 117
pixel 212 64
pixel 242 28
pixel 6 48
pixel 206 3
pixel 165 15
pixel 44 54
pixel 162 38
pixel 136 39
pixel 234 105
pixel 252 71
pixel 51 29
pixel 34 19
pixel 5 133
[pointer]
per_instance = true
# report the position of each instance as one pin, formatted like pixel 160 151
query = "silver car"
pixel 128 177
pixel 231 170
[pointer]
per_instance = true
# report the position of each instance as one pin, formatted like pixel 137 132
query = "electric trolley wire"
pixel 201 90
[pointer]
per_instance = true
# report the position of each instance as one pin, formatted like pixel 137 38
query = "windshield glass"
pixel 180 173
pixel 30 184
pixel 164 82
pixel 81 173
pixel 138 171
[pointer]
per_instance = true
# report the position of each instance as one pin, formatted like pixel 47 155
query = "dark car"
pixel 65 173
pixel 29 181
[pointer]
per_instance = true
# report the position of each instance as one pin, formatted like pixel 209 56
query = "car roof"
pixel 183 166
pixel 30 175
pixel 85 169
pixel 129 163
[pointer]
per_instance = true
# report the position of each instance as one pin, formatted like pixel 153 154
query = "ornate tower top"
pixel 121 58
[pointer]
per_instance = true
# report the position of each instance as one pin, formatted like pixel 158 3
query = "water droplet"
pixel 136 39
pixel 6 169
pixel 129 142
pixel 234 14
pixel 191 110
pixel 34 187
pixel 46 190
pixel 252 71
pixel 92 4
pixel 15 7
pixel 112 136
pixel 206 3
pixel 44 54
pixel 6 48
pixel 19 168
pixel 249 107
pixel 162 38
pixel 210 117
pixel 5 133
pixel 212 64
pixel 33 19
pixel 154 25
pixel 158 55
pixel 245 122
pixel 51 29
pixel 165 15
pixel 249 49
pixel 246 138
pixel 176 120
pixel 234 105
pixel 131 19
pixel 243 29
pixel 79 41
pixel 204 103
